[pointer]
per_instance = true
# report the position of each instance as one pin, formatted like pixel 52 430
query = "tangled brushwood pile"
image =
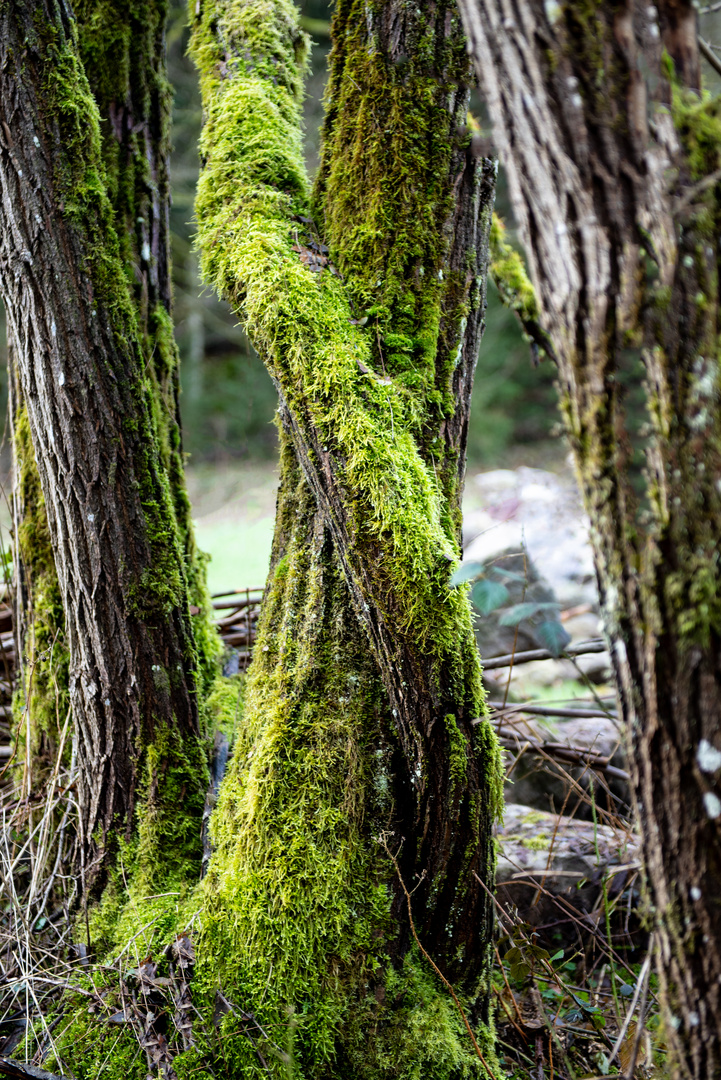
pixel 574 991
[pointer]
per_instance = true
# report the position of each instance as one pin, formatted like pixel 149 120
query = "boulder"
pixel 550 865
pixel 505 509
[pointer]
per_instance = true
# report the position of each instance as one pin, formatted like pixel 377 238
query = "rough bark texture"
pixel 94 415
pixel 122 48
pixel 41 702
pixel 613 162
pixel 372 354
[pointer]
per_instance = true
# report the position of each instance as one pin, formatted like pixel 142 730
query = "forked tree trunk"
pixel 366 305
pixel 103 428
pixel 613 163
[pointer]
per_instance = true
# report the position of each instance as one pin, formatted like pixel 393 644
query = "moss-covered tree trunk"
pixel 364 732
pixel 96 400
pixel 613 157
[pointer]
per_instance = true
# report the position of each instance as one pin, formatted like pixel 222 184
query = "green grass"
pixel 239 551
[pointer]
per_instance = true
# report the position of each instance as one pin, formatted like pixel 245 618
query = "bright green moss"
pixel 698 122
pixel 297 923
pixel 224 706
pixel 510 275
pixel 251 191
pixel 296 915
pixel 457 750
pixel 383 191
pixel 143 340
pixel 45 670
pixel 122 50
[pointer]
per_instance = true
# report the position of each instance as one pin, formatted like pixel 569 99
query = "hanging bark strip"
pixel 90 406
pixel 613 161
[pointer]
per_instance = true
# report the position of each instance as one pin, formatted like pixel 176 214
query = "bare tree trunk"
pixel 613 165
pixel 101 450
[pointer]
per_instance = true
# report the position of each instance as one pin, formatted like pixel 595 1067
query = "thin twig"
pixel 632 1007
pixel 583 648
pixel 639 1030
pixel 552 710
pixel 708 54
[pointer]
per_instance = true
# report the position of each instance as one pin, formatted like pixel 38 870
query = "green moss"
pixel 297 900
pixel 298 924
pixel 251 190
pixel 225 705
pixel 510 275
pixel 458 750
pixel 383 191
pixel 114 184
pixel 43 687
pixel 536 843
pixel 694 596
pixel 698 122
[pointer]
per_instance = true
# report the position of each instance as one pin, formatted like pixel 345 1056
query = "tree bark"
pixel 94 419
pixel 613 162
pixel 367 307
pixel 122 49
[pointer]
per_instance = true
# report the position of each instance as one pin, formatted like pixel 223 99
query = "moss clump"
pixel 510 275
pixel 43 690
pixel 151 896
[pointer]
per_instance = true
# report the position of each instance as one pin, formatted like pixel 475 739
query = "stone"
pixel 548 864
pixel 505 509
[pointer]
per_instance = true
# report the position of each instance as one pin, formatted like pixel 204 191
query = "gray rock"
pixel 507 508
pixel 543 857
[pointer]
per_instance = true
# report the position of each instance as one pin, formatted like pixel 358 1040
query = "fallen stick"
pixel 551 710
pixel 511 740
pixel 20 1071
pixel 584 648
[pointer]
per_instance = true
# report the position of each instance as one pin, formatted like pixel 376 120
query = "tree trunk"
pixel 103 436
pixel 367 307
pixel 122 48
pixel 613 162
